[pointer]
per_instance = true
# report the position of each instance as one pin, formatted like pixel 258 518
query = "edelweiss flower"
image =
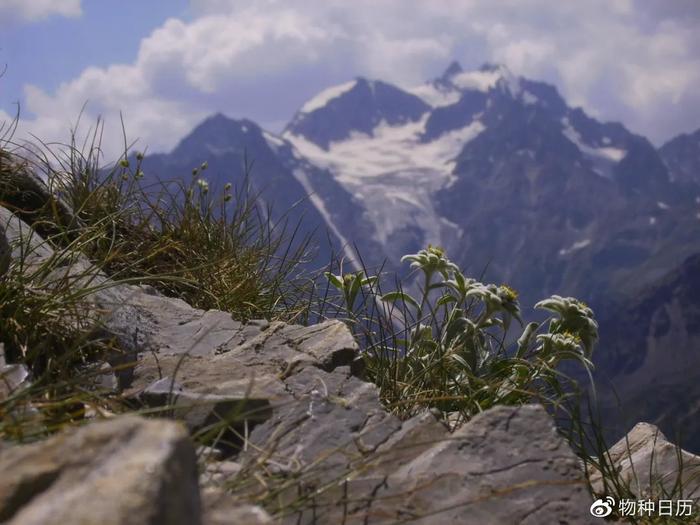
pixel 431 260
pixel 575 317
pixel 565 341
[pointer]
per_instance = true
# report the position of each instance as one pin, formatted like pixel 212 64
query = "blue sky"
pixel 54 49
pixel 165 65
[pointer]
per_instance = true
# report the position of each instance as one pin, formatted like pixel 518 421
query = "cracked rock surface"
pixel 124 471
pixel 651 465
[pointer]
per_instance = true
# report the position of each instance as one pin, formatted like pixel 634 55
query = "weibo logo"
pixel 602 507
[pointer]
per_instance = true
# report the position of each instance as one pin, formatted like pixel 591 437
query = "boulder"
pixel 651 465
pixel 506 465
pixel 126 471
pixel 224 371
pixel 356 463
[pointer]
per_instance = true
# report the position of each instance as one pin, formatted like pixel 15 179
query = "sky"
pixel 163 66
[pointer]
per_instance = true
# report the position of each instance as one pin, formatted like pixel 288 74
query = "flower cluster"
pixel 430 261
pixel 574 317
pixel 452 350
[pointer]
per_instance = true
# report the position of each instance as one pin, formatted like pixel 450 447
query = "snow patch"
pixel 434 96
pixel 273 141
pixel 389 150
pixel 486 80
pixel 603 159
pixel 652 221
pixel 662 205
pixel 529 99
pixel 476 80
pixel 578 245
pixel 325 96
pixel 394 173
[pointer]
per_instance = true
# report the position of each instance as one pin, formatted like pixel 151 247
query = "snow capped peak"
pixel 448 88
pixel 487 80
pixel 476 80
pixel 487 77
pixel 325 96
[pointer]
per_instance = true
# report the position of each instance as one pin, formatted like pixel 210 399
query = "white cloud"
pixel 262 59
pixel 33 10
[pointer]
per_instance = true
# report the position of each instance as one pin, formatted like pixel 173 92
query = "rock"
pixel 649 463
pixel 234 413
pixel 27 195
pixel 22 240
pixel 330 344
pixel 23 418
pixel 12 376
pixel 218 472
pixel 238 375
pixel 507 465
pixel 107 380
pixel 223 368
pixel 220 510
pixel 335 415
pixel 126 471
pixel 209 454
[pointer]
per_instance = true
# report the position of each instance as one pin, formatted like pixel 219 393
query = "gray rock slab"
pixel 219 509
pixel 651 465
pixel 21 240
pixel 335 416
pixel 126 471
pixel 506 466
pixel 12 376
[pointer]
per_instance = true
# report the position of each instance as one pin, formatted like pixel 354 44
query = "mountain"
pixel 356 107
pixel 290 185
pixel 649 355
pixel 500 171
pixel 682 157
pixel 495 168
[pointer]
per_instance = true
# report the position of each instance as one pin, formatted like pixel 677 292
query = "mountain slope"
pixel 682 157
pixel 649 353
pixel 296 191
pixel 358 106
